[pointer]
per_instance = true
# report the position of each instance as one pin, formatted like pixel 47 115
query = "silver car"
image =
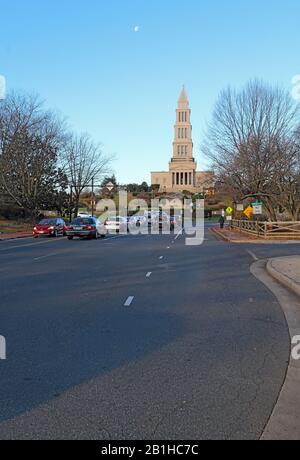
pixel 86 227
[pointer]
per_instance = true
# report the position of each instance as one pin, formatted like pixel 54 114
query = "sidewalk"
pixel 284 423
pixel 286 270
pixel 14 236
pixel 235 236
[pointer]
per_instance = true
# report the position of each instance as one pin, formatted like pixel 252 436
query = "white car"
pixel 116 224
pixel 84 215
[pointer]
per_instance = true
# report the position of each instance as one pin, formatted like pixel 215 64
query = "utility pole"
pixel 93 185
pixel 71 202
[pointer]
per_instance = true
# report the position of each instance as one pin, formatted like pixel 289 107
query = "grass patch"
pixel 14 226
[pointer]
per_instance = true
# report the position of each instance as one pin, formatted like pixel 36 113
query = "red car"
pixel 50 227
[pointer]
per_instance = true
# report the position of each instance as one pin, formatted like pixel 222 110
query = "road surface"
pixel 138 338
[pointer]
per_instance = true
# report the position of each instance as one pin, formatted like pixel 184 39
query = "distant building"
pixel 183 174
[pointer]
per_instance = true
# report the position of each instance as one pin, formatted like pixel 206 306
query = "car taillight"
pixel 89 227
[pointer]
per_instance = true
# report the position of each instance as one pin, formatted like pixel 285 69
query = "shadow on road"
pixel 57 351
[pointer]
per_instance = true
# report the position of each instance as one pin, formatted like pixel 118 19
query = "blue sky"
pixel 122 86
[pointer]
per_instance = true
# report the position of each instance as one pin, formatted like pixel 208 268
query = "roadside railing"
pixel 268 230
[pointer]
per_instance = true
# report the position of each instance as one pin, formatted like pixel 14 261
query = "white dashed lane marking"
pixel 129 301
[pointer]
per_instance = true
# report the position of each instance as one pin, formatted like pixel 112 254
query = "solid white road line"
pixel 117 237
pixel 254 257
pixel 148 274
pixel 129 301
pixel 31 244
pixel 44 257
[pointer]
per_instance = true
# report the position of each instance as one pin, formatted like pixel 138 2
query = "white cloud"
pixel 137 28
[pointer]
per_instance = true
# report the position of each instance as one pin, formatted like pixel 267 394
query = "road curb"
pixel 284 423
pixel 216 232
pixel 283 279
pixel 229 240
pixel 225 238
pixel 21 237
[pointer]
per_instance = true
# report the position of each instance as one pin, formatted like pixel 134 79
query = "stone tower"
pixel 182 175
pixel 183 165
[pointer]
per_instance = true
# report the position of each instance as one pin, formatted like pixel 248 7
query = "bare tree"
pixel 84 161
pixel 30 139
pixel 251 142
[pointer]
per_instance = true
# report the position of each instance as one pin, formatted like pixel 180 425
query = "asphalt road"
pixel 138 338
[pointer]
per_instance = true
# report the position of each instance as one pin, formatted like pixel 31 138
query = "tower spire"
pixel 183 101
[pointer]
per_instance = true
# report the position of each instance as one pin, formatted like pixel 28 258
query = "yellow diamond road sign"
pixel 229 210
pixel 249 212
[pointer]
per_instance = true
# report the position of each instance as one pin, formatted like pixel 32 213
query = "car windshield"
pixel 83 221
pixel 48 222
